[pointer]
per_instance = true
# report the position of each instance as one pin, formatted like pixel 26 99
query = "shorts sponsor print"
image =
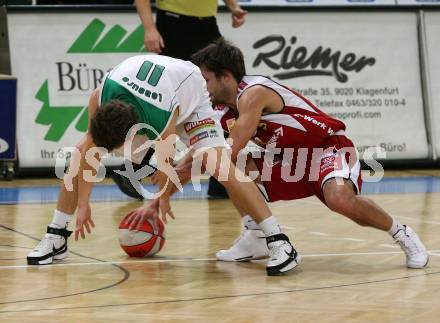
pixel 193 126
pixel 201 129
pixel 198 137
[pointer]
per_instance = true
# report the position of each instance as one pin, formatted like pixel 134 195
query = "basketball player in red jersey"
pixel 286 124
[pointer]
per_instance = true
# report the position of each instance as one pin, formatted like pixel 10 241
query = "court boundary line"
pixel 125 272
pixel 434 253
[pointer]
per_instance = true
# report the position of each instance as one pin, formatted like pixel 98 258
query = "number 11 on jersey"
pixel 155 75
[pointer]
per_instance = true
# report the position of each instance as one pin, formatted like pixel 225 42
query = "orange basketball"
pixel 143 243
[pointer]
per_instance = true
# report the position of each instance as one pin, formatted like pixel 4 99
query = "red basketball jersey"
pixel 299 125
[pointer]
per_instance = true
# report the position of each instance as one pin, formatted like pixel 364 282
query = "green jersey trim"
pixel 148 113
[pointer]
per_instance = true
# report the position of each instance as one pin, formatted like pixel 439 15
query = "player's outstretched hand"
pixel 138 216
pixel 165 209
pixel 83 220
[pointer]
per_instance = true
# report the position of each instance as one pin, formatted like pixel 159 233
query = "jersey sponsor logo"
pixel 196 125
pixel 198 137
pixel 213 133
pixel 320 124
pixel 284 120
pixel 141 90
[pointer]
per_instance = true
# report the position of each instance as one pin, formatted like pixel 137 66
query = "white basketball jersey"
pixel 155 85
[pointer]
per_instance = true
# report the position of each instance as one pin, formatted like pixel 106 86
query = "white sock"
pixel 60 219
pixel 270 226
pixel 249 223
pixel 395 226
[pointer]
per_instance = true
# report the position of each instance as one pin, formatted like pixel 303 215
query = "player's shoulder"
pixel 250 83
pixel 253 85
pixel 177 70
pixel 250 80
pixel 169 63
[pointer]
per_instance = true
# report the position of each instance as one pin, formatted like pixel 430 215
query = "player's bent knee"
pixel 337 204
pixel 346 208
pixel 340 201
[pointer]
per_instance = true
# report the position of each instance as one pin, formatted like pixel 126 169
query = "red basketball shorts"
pixel 308 170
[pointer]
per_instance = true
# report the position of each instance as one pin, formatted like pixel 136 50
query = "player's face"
pixel 216 87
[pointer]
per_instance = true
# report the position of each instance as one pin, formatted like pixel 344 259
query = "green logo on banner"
pixel 90 41
pixel 59 118
pixel 112 42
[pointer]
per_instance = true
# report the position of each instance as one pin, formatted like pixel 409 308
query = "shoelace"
pixel 276 250
pixel 45 242
pixel 409 245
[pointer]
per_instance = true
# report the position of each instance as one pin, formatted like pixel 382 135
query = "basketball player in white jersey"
pixel 275 117
pixel 170 97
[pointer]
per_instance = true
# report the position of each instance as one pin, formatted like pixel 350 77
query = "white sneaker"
pixel 416 254
pixel 283 256
pixel 250 245
pixel 52 246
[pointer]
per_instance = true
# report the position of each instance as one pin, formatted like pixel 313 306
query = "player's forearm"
pixel 84 188
pixel 145 14
pixel 85 185
pixel 238 144
pixel 183 180
pixel 183 170
pixel 84 191
pixel 164 183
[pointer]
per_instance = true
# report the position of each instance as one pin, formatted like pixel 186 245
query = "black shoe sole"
pixel 35 261
pixel 276 270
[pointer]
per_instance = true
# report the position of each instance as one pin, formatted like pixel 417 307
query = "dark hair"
pixel 110 125
pixel 219 57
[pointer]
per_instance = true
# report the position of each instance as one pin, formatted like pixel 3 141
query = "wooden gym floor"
pixel 348 273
